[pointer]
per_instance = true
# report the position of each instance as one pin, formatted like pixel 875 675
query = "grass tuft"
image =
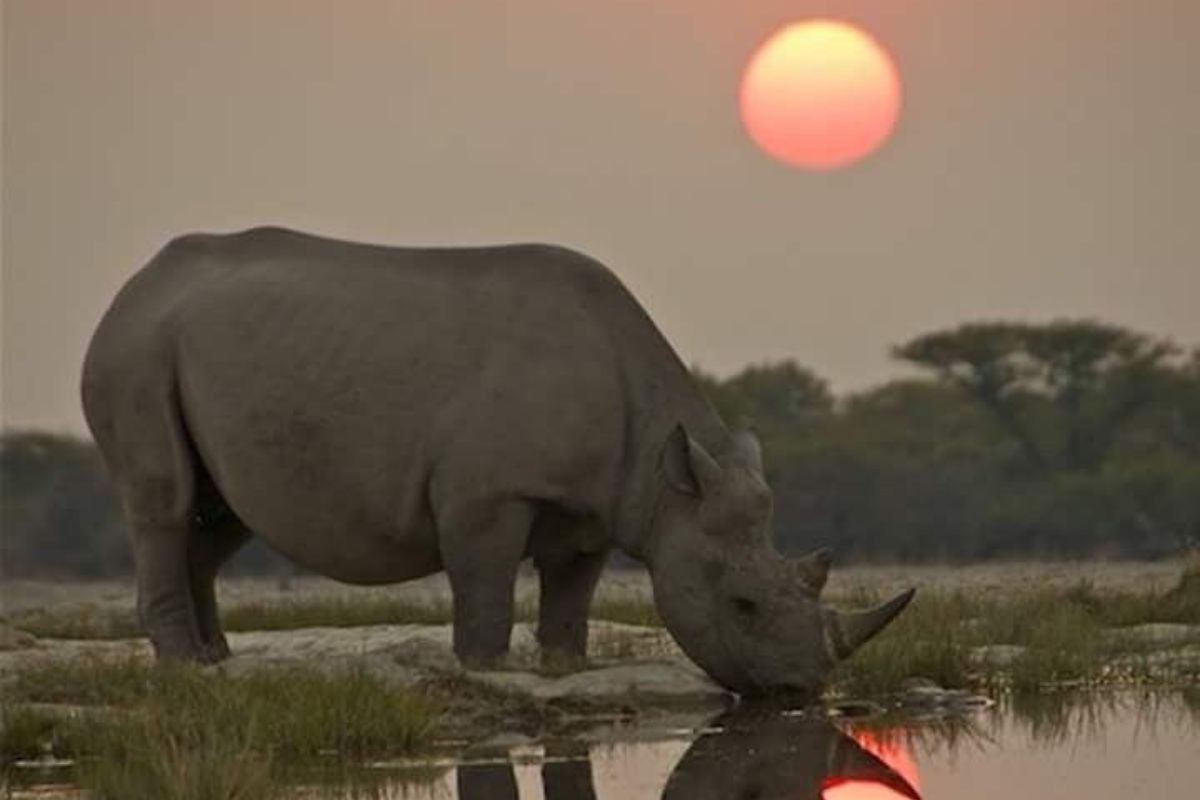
pixel 1066 636
pixel 183 732
pixel 30 733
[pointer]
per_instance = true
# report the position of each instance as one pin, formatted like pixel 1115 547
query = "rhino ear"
pixel 687 466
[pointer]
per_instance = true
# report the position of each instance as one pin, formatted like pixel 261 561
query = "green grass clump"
pixel 350 712
pixel 1063 646
pixel 927 640
pixel 29 733
pixel 188 741
pixel 86 682
pixel 80 623
pixel 177 731
pixel 335 612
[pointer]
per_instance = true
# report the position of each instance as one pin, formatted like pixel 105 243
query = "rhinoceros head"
pixel 747 615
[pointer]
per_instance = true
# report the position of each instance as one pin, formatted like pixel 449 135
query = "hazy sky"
pixel 1047 161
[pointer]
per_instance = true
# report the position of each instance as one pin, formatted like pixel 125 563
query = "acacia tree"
pixel 1062 390
pixel 1185 407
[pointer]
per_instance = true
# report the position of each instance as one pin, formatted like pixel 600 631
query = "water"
pixel 1098 746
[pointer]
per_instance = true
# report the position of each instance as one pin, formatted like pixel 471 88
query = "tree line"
pixel 1070 438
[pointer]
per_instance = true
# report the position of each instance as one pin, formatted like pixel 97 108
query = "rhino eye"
pixel 745 606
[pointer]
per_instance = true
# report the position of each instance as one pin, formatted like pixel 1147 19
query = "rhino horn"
pixel 850 630
pixel 813 569
pixel 747 451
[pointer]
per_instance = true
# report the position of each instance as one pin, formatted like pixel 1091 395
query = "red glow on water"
pixel 892 753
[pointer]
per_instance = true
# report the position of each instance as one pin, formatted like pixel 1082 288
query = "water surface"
pixel 1100 746
pixel 1112 746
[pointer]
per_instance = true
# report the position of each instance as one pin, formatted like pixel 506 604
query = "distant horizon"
pixel 1042 166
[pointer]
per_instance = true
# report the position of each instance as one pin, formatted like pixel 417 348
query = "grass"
pixel 186 733
pixel 78 623
pixel 1066 636
pixel 31 733
pixel 1065 633
pixel 336 611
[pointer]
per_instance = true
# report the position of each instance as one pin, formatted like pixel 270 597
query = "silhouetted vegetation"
pixel 1062 439
pixel 1069 438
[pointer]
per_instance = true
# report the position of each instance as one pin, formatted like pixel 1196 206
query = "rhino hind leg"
pixel 136 424
pixel 567 581
pixel 210 546
pixel 483 542
pixel 162 529
pixel 165 603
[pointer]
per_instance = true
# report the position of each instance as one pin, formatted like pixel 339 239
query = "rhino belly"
pixel 348 535
pixel 340 494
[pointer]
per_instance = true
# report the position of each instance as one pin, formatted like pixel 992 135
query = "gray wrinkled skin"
pixel 378 414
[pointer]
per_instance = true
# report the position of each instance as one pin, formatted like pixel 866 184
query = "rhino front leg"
pixel 567 581
pixel 482 547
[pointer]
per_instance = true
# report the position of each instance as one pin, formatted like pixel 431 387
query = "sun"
pixel 820 95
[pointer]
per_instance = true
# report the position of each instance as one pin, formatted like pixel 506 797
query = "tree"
pixel 1062 390
pixel 774 397
pixel 60 517
pixel 57 512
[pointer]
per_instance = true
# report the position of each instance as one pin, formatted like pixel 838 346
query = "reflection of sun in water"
pixel 894 754
pixel 820 95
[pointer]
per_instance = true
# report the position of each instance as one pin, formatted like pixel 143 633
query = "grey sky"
pixel 1046 162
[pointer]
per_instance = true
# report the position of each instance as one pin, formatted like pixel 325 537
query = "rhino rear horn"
pixel 813 569
pixel 850 630
pixel 747 451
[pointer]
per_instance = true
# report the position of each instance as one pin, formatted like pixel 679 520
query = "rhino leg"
pixel 567 772
pixel 210 546
pixel 137 427
pixel 165 603
pixel 483 543
pixel 567 581
pixel 487 782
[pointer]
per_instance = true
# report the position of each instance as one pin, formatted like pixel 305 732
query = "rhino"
pixel 378 414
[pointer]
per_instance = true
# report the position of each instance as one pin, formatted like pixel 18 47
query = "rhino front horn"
pixel 850 630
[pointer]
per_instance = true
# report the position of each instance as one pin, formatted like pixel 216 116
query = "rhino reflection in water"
pixel 566 775
pixel 765 756
pixel 378 414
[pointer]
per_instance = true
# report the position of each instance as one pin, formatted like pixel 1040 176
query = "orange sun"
pixel 820 95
